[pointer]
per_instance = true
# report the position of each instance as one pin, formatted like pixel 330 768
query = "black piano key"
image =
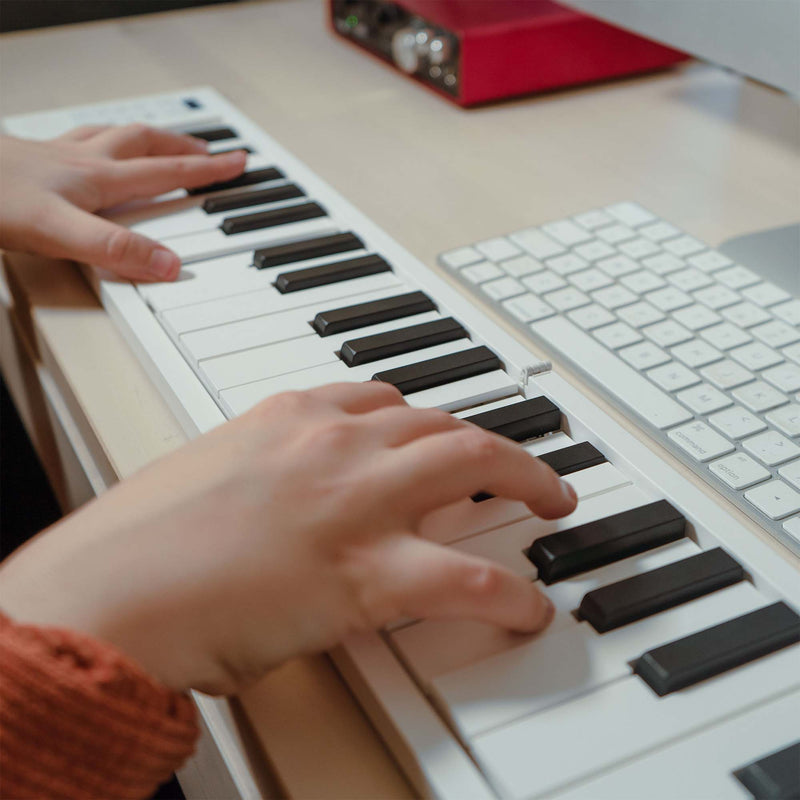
pixel 773 777
pixel 444 369
pixel 306 248
pixel 594 544
pixel 230 202
pixel 520 421
pixel 405 340
pixel 626 601
pixel 215 134
pixel 714 650
pixel 245 179
pixel 564 461
pixel 571 459
pixel 271 218
pixel 330 273
pixel 348 318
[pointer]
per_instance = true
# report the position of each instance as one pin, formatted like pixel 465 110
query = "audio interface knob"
pixel 404 49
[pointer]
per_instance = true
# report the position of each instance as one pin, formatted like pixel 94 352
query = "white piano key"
pixel 552 670
pixel 208 244
pixel 538 754
pixel 436 647
pixel 465 393
pixel 269 301
pixel 302 355
pixel 701 765
pixel 281 327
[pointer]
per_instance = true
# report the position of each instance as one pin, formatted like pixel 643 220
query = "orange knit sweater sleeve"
pixel 78 719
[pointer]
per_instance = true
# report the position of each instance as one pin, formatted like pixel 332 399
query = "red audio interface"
pixel 476 51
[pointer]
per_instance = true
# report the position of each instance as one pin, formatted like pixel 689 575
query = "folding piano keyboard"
pixel 672 666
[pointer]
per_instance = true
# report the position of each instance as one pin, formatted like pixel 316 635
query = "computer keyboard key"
pixel 668 299
pixel 444 369
pixel 644 355
pixel 673 376
pixel 594 219
pixel 481 272
pixel 360 315
pixel 527 308
pixel 249 178
pixel 230 202
pixel 614 297
pixel 545 281
pixel 460 257
pixel 659 231
pixel 333 272
pixel 405 340
pixel 745 315
pixel 775 499
pixel 663 263
pixel 590 279
pixel 520 421
pixel 649 593
pixel 614 234
pixel 792 527
pixel 785 377
pixel 642 281
pixel 786 419
pixel 683 246
pixel 630 214
pixel 765 294
pixel 737 423
pixel 566 264
pixel 566 232
pixel 667 333
pixel 591 316
pixel 519 266
pixel 771 448
pixel 571 459
pixel 788 312
pixel 594 544
pixel 776 333
pixel 696 353
pixel 773 777
pixel 639 248
pixel 700 442
pixel 715 650
pixel 594 250
pixel 739 471
pixel 791 473
pixel 736 277
pixel 538 244
pixel 616 335
pixel 704 399
pixel 696 317
pixel 617 266
pixel 271 218
pixel 725 336
pixel 307 248
pixel 640 314
pixel 709 261
pixel 689 280
pixel 502 288
pixel 759 396
pixel 792 352
pixel 717 297
pixel 497 249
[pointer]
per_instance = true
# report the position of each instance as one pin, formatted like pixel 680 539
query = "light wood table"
pixel 714 154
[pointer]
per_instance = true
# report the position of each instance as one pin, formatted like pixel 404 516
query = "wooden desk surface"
pixel 710 152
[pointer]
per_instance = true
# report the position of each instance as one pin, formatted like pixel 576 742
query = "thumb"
pixel 81 236
pixel 421 579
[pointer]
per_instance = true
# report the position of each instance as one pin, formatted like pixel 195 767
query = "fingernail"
pixel 164 264
pixel 569 492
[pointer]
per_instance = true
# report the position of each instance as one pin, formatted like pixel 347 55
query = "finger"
pixel 359 398
pixel 419 579
pixel 72 233
pixel 136 178
pixel 396 426
pixel 136 141
pixel 82 133
pixel 440 469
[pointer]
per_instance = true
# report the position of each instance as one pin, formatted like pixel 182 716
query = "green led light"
pixel 351 21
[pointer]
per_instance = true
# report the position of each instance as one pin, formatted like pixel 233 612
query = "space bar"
pixel 611 373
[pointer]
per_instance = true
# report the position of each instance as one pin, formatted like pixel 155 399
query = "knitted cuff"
pixel 78 719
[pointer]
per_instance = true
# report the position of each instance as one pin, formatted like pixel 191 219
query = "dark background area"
pixel 17 15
